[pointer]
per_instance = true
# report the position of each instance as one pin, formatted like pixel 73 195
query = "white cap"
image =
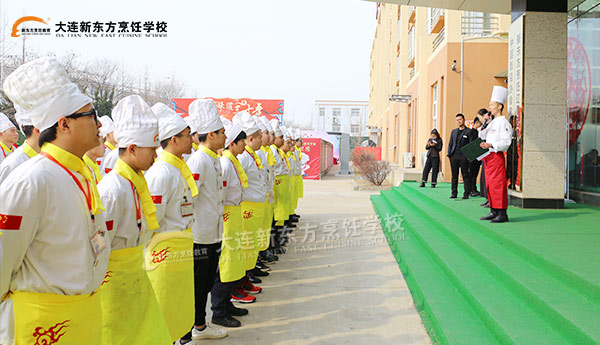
pixel 246 122
pixel 276 128
pixel 42 88
pixel 261 125
pixel 22 117
pixel 5 123
pixel 284 130
pixel 135 123
pixel 499 94
pixel 108 126
pixel 265 122
pixel 169 122
pixel 205 116
pixel 295 133
pixel 190 123
pixel 231 131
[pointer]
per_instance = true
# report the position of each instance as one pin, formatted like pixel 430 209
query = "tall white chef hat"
pixel 276 128
pixel 265 122
pixel 246 122
pixel 188 119
pixel 231 131
pixel 135 123
pixel 169 122
pixel 286 134
pixel 5 123
pixel 108 126
pixel 499 94
pixel 22 117
pixel 260 124
pixel 205 116
pixel 42 88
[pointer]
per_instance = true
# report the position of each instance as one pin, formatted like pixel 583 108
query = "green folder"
pixel 473 151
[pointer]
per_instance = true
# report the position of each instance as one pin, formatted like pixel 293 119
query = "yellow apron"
pixel 169 263
pixel 300 186
pixel 232 263
pixel 264 237
pixel 130 312
pixel 253 215
pixel 45 318
pixel 297 183
pixel 281 189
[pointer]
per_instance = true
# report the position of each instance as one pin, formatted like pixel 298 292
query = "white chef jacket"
pixel 4 155
pixel 119 199
pixel 232 187
pixel 280 165
pixel 267 174
pixel 208 204
pixel 172 197
pixel 11 162
pixel 109 161
pixel 51 252
pixel 257 190
pixel 499 134
pixel 297 163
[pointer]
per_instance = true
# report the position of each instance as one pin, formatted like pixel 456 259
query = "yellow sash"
pixel 208 151
pixel 255 156
pixel 299 153
pixel 195 146
pixel 109 145
pixel 141 186
pixel 29 151
pixel 270 157
pixel 169 263
pixel 45 318
pixel 94 166
pixel 253 214
pixel 232 263
pixel 183 168
pixel 238 167
pixel 72 162
pixel 130 312
pixel 291 155
pixel 5 148
pixel 283 156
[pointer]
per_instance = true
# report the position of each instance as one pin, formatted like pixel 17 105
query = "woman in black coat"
pixel 433 147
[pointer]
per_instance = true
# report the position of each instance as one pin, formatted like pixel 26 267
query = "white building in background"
pixel 349 117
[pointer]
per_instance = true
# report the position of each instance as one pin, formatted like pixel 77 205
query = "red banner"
pixel 311 168
pixel 228 107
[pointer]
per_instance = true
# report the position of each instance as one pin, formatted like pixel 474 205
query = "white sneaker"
pixel 208 333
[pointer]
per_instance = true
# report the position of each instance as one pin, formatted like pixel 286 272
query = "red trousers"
pixel 495 180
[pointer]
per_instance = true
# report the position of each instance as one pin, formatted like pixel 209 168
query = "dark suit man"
pixel 460 137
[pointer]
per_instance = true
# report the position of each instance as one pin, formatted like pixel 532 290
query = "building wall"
pixel 325 122
pixel 483 58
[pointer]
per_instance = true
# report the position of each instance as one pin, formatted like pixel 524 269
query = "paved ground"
pixel 340 286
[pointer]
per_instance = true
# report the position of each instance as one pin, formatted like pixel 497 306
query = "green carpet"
pixel 534 280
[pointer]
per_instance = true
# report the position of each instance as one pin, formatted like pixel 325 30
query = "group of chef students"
pixel 113 230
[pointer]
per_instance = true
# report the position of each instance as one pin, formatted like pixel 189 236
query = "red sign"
pixel 228 107
pixel 311 168
pixel 579 87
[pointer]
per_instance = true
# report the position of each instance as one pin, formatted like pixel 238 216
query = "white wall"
pixel 325 123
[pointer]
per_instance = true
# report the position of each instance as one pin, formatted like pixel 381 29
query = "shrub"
pixel 375 171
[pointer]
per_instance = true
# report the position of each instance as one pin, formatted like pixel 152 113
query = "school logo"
pixel 29 31
pixel 226 216
pixel 160 256
pixel 52 335
pixel 247 215
pixel 107 277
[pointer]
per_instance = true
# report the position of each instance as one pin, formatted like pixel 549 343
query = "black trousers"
pixel 473 172
pixel 220 296
pixel 482 186
pixel 459 161
pixel 432 163
pixel 206 262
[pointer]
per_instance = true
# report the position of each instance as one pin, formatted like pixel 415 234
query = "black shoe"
pixel 453 196
pixel 279 250
pixel 254 279
pixel 475 193
pixel 294 218
pixel 502 217
pixel 235 311
pixel 262 267
pixel 258 273
pixel 493 214
pixel 422 184
pixel 485 204
pixel 433 185
pixel 226 321
pixel 466 196
pixel 269 256
pixel 296 215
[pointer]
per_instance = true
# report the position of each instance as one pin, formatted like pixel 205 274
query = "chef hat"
pixel 135 123
pixel 169 122
pixel 265 122
pixel 276 128
pixel 246 122
pixel 22 117
pixel 286 134
pixel 108 126
pixel 205 116
pixel 5 123
pixel 231 131
pixel 188 119
pixel 42 88
pixel 295 133
pixel 499 94
pixel 260 124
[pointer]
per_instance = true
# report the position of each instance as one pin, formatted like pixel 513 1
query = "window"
pixel 478 24
pixel 434 105
pixel 336 127
pixel 355 130
pixel 354 112
pixel 321 111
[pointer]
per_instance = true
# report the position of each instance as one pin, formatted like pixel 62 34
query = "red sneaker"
pixel 251 288
pixel 240 296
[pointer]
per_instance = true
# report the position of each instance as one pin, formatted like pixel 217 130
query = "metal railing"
pixel 412 73
pixel 411 45
pixel 439 38
pixel 436 13
pixel 479 25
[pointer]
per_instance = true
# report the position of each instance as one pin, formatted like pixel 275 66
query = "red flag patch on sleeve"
pixel 109 225
pixel 107 170
pixel 224 183
pixel 157 199
pixel 8 222
pixel 196 177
